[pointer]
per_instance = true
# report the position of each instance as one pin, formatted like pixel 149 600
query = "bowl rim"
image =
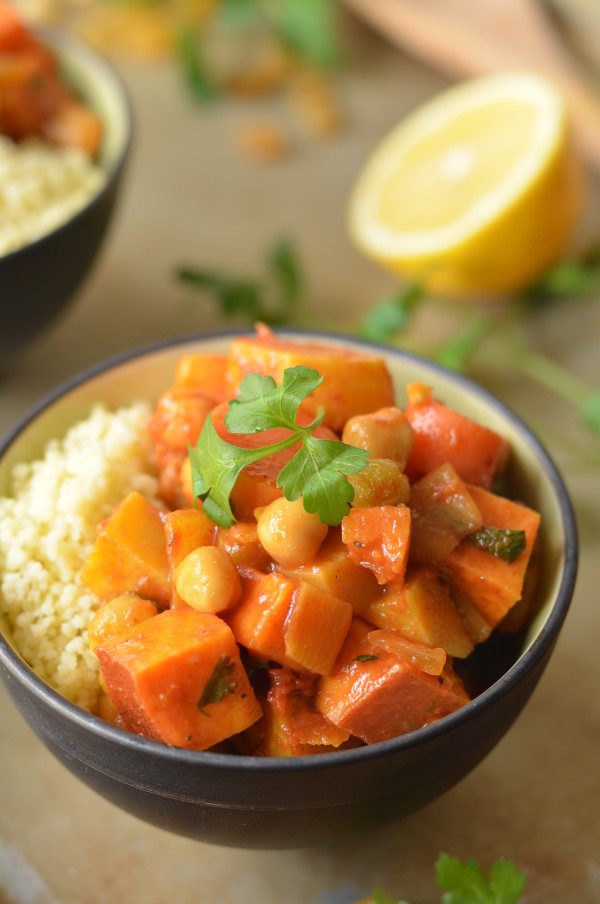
pixel 541 645
pixel 66 45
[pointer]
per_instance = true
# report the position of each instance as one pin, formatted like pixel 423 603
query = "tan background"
pixel 191 198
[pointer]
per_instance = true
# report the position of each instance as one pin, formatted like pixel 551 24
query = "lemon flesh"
pixel 475 193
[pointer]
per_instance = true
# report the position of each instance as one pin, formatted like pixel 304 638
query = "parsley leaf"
pixel 503 543
pixel 317 471
pixel 465 881
pixel 220 684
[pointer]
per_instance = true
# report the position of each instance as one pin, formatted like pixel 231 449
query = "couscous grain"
pixel 47 527
pixel 41 187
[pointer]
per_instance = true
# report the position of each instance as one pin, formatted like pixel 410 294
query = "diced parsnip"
pixel 443 512
pixel 380 483
pixel 443 435
pixel 353 383
pixel 241 542
pixel 117 614
pixel 178 418
pixel 130 553
pixel 290 534
pixel 178 678
pixel 315 629
pixel 385 433
pixel 205 373
pixel 378 538
pixel 490 583
pixel 421 609
pixel 423 656
pixel 376 696
pixel 286 621
pixel 207 580
pixel 291 726
pixel 333 571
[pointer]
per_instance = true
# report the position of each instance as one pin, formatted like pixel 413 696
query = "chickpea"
pixel 207 580
pixel 118 614
pixel 290 534
pixel 386 433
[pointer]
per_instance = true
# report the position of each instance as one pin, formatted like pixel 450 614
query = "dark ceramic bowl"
pixel 272 803
pixel 38 281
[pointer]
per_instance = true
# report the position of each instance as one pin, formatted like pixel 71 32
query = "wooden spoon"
pixel 466 38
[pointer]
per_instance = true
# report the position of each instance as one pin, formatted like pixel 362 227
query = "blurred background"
pixel 252 122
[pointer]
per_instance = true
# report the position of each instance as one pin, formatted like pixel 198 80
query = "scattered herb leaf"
pixel 466 883
pixel 391 315
pixel 365 657
pixel 272 300
pixel 308 27
pixel 220 684
pixel 197 78
pixel 504 544
pixel 317 471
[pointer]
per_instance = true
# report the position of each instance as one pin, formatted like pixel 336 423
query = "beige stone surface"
pixel 191 198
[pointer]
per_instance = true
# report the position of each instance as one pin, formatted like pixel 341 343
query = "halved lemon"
pixel 475 193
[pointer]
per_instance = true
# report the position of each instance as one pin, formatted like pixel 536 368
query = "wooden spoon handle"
pixel 466 38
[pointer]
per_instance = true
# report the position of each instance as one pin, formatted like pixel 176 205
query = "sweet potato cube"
pixel 241 542
pixel 178 418
pixel 130 553
pixel 421 609
pixel 334 571
pixel 178 678
pixel 289 622
pixel 378 538
pixel 353 383
pixel 492 584
pixel 291 726
pixel 376 695
pixel 315 629
pixel 203 372
pixel 258 621
pixel 442 435
pixel 185 530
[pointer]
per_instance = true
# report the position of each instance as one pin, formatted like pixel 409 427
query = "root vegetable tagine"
pixel 319 565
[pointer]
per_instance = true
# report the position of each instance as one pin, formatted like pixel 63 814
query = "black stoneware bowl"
pixel 38 281
pixel 243 801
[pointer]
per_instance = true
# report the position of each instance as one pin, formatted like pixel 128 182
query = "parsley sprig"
pixel 316 472
pixel 465 882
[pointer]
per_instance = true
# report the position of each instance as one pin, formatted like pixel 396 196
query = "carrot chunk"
pixel 376 696
pixel 443 435
pixel 130 553
pixel 492 584
pixel 178 678
pixel 378 538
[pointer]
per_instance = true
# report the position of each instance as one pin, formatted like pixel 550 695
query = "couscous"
pixel 47 528
pixel 41 186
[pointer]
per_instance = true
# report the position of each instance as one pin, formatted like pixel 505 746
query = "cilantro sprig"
pixel 316 472
pixel 465 882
